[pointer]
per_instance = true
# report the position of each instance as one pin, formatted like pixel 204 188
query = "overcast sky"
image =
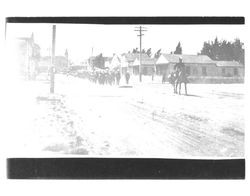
pixel 79 39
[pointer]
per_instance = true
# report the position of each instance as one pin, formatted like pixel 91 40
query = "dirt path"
pixel 149 121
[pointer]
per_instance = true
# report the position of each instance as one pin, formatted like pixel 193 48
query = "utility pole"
pixel 140 29
pixel 52 68
pixel 91 59
pixel 66 54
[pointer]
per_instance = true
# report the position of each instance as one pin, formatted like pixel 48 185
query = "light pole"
pixel 52 67
pixel 140 29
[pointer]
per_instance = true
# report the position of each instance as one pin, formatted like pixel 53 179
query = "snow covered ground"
pixel 147 120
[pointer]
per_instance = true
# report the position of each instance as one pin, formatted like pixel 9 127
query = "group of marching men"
pixel 98 76
pixel 113 77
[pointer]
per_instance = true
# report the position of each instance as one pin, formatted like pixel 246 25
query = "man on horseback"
pixel 181 76
pixel 179 66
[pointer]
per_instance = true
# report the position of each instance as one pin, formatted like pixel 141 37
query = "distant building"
pixel 61 62
pixel 196 65
pixel 91 61
pixel 148 65
pixel 85 64
pixel 28 56
pixel 125 62
pixel 200 67
pixel 230 68
pixel 117 62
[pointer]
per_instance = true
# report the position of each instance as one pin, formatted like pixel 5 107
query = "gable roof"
pixel 174 58
pixel 108 59
pixel 48 58
pixel 130 57
pixel 147 61
pixel 228 64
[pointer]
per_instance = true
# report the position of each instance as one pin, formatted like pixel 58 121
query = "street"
pixel 147 120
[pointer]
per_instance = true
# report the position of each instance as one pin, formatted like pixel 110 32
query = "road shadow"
pixel 188 95
pixel 126 86
pixel 191 95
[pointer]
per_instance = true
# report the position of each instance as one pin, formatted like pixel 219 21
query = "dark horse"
pixel 177 78
pixel 181 78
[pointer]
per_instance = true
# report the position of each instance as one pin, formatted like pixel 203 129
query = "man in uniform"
pixel 181 75
pixel 179 66
pixel 127 77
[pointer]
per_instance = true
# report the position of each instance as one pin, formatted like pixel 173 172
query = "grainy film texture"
pixel 162 91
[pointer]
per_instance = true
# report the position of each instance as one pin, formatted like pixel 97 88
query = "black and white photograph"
pixel 154 91
pixel 124 97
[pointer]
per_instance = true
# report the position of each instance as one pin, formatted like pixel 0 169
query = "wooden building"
pixel 148 66
pixel 196 65
pixel 125 62
pixel 230 68
pixel 200 68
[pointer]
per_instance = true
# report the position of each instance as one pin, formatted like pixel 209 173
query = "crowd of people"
pixel 102 77
pixel 113 77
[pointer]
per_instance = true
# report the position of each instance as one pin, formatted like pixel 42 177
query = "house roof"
pixel 49 57
pixel 130 57
pixel 174 58
pixel 108 59
pixel 146 61
pixel 28 39
pixel 228 64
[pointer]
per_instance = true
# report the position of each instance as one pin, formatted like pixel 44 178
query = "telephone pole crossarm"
pixel 140 29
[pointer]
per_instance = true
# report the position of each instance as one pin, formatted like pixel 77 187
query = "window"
pixel 235 71
pixel 204 71
pixel 188 70
pixel 195 71
pixel 223 71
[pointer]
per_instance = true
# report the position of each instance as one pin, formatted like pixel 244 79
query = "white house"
pixel 125 62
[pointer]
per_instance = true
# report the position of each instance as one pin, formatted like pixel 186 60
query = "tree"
pixel 149 53
pixel 144 51
pixel 206 50
pixel 224 50
pixel 178 49
pixel 99 61
pixel 157 54
pixel 66 54
pixel 215 50
pixel 135 50
pixel 238 51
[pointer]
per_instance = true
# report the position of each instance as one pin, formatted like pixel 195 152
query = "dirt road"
pixel 147 120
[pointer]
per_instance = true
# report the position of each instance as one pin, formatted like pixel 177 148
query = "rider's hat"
pixel 180 57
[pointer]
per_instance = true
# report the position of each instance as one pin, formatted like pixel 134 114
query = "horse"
pixel 177 78
pixel 181 78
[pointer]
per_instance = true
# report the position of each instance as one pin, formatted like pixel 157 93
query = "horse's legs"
pixel 179 88
pixel 175 87
pixel 186 88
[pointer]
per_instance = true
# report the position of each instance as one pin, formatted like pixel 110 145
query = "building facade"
pixel 230 69
pixel 201 68
pixel 60 63
pixel 28 56
pixel 148 66
pixel 128 62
